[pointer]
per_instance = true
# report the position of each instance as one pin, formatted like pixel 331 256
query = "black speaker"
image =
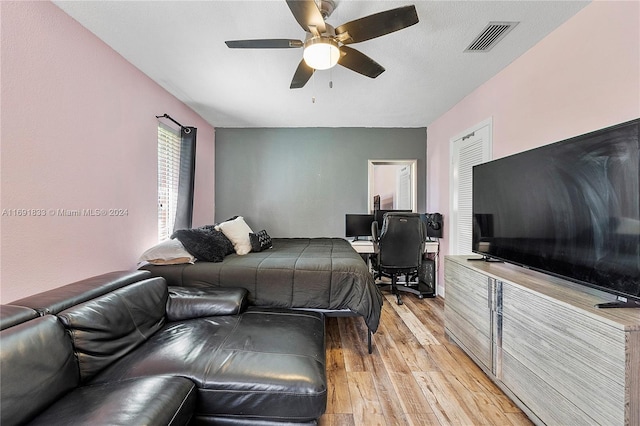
pixel 427 274
pixel 434 222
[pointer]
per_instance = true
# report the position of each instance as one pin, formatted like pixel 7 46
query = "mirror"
pixel 393 184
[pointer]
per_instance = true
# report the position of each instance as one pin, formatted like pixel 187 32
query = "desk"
pixel 430 247
pixel 363 246
pixel 366 246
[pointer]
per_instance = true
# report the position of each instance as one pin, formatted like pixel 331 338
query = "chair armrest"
pixel 191 302
pixel 375 238
pixel 374 231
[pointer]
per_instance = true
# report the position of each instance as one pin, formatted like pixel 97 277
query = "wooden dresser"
pixel 540 338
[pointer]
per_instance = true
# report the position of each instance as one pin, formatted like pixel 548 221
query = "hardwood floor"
pixel 414 376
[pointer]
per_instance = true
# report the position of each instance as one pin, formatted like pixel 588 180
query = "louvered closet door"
pixel 403 188
pixel 467 150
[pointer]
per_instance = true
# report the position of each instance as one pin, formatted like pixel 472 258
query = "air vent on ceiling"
pixel 490 36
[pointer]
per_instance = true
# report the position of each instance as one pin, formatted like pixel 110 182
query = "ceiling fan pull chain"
pixel 313 81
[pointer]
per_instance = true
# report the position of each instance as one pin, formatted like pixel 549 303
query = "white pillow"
pixel 168 252
pixel 237 231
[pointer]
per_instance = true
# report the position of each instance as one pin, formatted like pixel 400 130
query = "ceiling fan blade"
pixel 377 25
pixel 275 43
pixel 302 75
pixel 359 62
pixel 307 14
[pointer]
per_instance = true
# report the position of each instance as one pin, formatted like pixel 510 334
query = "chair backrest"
pixel 401 240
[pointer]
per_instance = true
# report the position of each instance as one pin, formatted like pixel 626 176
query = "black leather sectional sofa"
pixel 126 349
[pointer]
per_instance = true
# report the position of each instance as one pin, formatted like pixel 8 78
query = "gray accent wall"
pixel 300 182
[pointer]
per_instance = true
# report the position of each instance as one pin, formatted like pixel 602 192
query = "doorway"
pixel 393 185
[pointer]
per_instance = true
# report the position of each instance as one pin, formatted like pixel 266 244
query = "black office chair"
pixel 399 248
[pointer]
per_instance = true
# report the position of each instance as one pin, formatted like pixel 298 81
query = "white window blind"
pixel 168 177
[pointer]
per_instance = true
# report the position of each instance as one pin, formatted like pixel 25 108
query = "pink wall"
pixel 384 182
pixel 582 77
pixel 79 132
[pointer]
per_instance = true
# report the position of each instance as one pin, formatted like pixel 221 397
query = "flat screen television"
pixel 570 209
pixel 358 226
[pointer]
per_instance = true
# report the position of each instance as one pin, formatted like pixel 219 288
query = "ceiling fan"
pixel 326 46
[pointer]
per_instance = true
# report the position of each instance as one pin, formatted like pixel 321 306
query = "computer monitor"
pixel 358 226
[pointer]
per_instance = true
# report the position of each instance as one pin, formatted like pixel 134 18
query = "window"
pixel 168 178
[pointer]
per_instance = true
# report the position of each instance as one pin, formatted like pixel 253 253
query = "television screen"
pixel 358 225
pixel 570 209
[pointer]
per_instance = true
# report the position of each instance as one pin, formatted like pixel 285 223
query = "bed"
pixel 323 274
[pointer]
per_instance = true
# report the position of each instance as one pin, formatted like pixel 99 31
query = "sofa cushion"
pixel 61 298
pixel 108 327
pixel 192 302
pixel 38 367
pixel 264 363
pixel 161 400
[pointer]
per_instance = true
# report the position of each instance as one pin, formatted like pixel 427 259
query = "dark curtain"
pixel 184 210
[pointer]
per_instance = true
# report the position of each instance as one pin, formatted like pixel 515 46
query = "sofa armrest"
pixel 11 315
pixel 191 302
pixel 58 299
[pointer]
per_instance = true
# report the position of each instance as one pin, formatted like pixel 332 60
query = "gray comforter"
pixel 314 273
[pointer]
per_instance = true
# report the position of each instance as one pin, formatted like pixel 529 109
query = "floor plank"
pixel 423 334
pixel 415 375
pixel 337 420
pixel 446 405
pixel 364 399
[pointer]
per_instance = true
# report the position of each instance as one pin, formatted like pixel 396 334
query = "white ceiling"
pixel 180 45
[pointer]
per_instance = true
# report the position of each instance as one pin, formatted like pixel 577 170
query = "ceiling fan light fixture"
pixel 321 53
